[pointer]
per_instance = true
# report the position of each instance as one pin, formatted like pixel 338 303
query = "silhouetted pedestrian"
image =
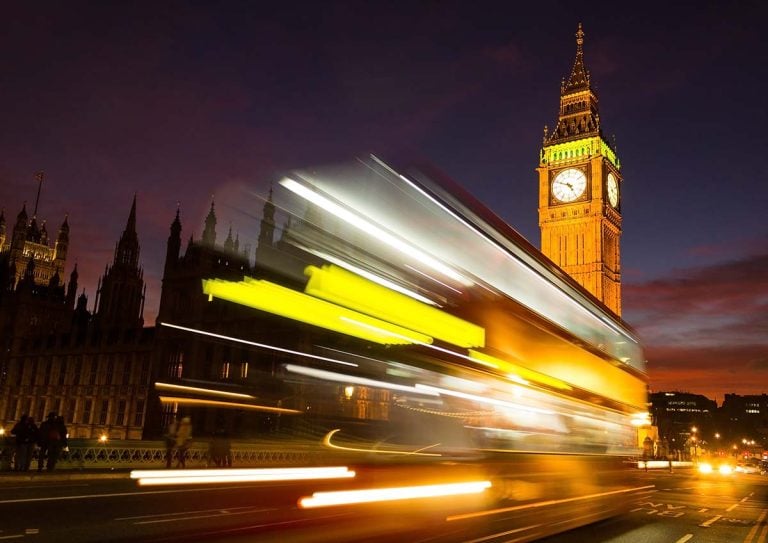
pixel 26 434
pixel 50 441
pixel 170 442
pixel 220 449
pixel 183 441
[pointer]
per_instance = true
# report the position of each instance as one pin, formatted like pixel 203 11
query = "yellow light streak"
pixel 211 476
pixel 518 371
pixel 370 276
pixel 379 450
pixel 197 390
pixel 373 230
pixel 219 403
pixel 279 300
pixel 347 497
pixel 260 345
pixel 345 288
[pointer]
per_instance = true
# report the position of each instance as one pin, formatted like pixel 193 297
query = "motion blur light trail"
pixel 378 449
pixel 205 476
pixel 326 499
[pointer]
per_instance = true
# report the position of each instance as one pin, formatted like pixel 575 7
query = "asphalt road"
pixel 681 508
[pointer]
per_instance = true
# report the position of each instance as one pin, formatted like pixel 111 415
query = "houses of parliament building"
pixel 100 369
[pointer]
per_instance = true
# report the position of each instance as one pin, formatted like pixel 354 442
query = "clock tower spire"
pixel 579 187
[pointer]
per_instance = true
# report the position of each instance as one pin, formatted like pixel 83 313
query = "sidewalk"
pixel 61 475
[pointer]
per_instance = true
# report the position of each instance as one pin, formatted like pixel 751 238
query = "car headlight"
pixel 705 468
pixel 725 469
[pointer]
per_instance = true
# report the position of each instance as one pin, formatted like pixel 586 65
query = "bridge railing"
pixel 91 454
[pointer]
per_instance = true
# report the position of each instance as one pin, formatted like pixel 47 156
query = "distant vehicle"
pixel 750 465
pixel 716 466
pixel 764 467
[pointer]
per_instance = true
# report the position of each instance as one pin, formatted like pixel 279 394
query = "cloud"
pixel 705 329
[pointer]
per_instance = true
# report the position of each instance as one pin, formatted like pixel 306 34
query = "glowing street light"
pixel 103 438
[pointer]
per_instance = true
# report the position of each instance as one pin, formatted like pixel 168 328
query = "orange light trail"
pixel 210 391
pixel 208 476
pixel 329 435
pixel 218 403
pixel 347 497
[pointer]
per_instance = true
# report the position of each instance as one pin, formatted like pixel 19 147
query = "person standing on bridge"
pixel 51 442
pixel 183 441
pixel 170 442
pixel 25 432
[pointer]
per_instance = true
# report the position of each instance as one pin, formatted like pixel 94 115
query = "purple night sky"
pixel 178 101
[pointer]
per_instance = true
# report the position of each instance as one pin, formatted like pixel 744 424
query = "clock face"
pixel 613 190
pixel 569 185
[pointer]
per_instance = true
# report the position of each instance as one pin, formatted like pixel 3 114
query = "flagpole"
pixel 39 177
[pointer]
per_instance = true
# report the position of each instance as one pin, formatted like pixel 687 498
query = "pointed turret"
pixel 72 288
pixel 209 232
pixel 229 243
pixel 55 280
pixel 127 249
pixel 578 117
pixel 119 297
pixel 579 79
pixel 173 247
pixel 267 230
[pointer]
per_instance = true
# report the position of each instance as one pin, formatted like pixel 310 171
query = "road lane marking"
pixel 711 521
pixel 744 498
pixel 111 495
pixel 703 510
pixel 545 503
pixel 158 515
pixel 217 514
pixel 494 536
pixel 731 508
pixel 756 527
pixel 11 536
pixel 685 538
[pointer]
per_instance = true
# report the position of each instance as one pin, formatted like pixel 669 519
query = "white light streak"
pixel 262 345
pixel 373 230
pixel 210 476
pixel 343 378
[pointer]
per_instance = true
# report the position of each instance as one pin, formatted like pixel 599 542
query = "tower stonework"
pixel 580 191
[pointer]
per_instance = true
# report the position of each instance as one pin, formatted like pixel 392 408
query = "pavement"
pixel 62 475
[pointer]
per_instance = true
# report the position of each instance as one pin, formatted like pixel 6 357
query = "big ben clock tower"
pixel 580 191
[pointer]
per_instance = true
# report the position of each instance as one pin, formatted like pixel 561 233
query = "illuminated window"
pixel 243 370
pixel 224 371
pixel 176 367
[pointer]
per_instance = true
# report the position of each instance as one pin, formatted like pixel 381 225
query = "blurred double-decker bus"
pixel 420 338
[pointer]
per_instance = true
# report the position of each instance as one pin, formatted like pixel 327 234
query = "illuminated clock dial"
pixel 569 185
pixel 613 190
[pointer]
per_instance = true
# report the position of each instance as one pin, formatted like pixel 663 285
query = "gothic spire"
pixel 127 249
pixel 578 117
pixel 267 230
pixel 579 79
pixel 209 233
